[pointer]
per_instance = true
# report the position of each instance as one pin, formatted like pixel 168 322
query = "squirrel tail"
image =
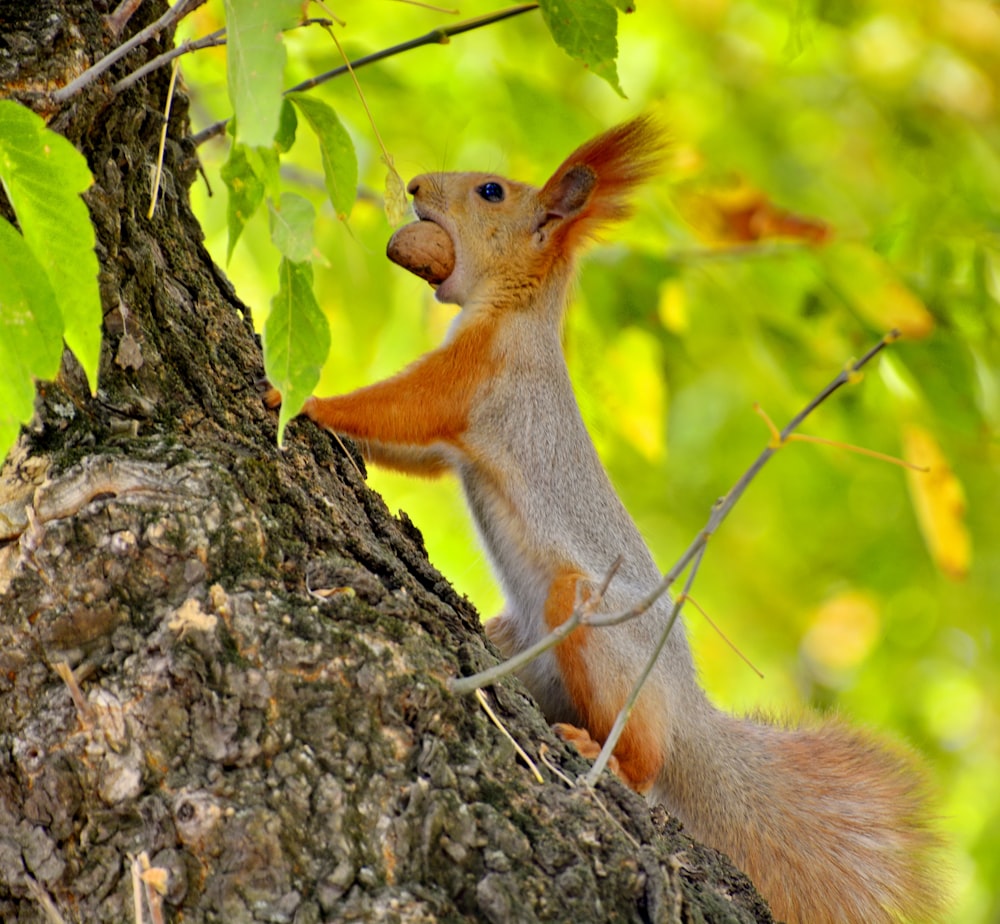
pixel 830 824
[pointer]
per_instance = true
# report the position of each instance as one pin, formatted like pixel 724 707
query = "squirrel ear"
pixel 570 192
pixel 592 186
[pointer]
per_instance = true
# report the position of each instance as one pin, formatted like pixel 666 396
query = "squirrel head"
pixel 511 239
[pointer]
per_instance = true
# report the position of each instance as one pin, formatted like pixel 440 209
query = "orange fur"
pixel 427 403
pixel 837 830
pixel 638 754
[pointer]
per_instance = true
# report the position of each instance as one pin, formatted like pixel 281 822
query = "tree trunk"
pixel 258 652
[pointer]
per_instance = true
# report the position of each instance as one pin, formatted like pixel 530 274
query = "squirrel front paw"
pixel 585 745
pixel 268 393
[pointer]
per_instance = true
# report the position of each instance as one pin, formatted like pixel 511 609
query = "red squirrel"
pixel 829 824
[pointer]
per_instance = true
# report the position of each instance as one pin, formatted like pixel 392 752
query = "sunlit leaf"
pixel 267 168
pixel 255 65
pixel 292 227
pixel 397 206
pixel 939 502
pixel 43 175
pixel 246 192
pixel 340 164
pixel 31 330
pixel 288 122
pixel 875 291
pixel 588 31
pixel 672 306
pixel 296 340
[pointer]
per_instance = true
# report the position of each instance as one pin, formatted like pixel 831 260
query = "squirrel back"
pixel 831 825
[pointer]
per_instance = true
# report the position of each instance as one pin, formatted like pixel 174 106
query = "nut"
pixel 424 249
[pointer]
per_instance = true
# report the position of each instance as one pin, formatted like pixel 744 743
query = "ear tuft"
pixel 591 187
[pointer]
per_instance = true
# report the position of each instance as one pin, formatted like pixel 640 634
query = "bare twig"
pixel 218 37
pixel 83 710
pixel 777 441
pixel 463 685
pixel 725 637
pixel 158 172
pixel 43 898
pixel 176 13
pixel 721 510
pixel 122 14
pixel 439 36
pixel 495 719
pixel 623 714
pixel 212 40
pixel 692 554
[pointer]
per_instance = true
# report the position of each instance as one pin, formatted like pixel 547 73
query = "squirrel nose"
pixel 414 185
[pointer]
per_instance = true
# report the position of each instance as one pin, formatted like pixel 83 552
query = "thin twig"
pixel 484 703
pixel 158 171
pixel 474 682
pixel 439 36
pixel 721 510
pixel 218 37
pixel 725 637
pixel 776 441
pixel 122 14
pixel 43 898
pixel 762 249
pixel 176 13
pixel 623 715
pixel 212 40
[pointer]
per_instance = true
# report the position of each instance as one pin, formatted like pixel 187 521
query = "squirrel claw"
pixel 584 744
pixel 268 393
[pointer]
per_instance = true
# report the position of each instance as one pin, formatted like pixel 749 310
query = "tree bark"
pixel 232 661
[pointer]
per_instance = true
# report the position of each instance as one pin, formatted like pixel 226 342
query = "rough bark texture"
pixel 281 755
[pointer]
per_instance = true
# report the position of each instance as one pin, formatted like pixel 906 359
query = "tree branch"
pixel 176 13
pixel 439 36
pixel 218 37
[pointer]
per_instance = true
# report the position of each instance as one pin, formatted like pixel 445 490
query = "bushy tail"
pixel 604 172
pixel 831 825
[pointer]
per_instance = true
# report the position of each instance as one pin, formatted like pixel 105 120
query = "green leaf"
pixel 588 31
pixel 31 329
pixel 296 340
pixel 287 124
pixel 292 226
pixel 255 64
pixel 43 175
pixel 340 164
pixel 266 165
pixel 246 192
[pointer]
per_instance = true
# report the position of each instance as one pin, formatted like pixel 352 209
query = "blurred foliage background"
pixel 834 172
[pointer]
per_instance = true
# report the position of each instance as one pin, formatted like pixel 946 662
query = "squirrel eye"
pixel 491 192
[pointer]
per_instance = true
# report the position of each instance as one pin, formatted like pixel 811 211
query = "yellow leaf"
pixel 939 501
pixel 636 396
pixel 876 292
pixel 672 306
pixel 740 213
pixel 396 204
pixel 844 629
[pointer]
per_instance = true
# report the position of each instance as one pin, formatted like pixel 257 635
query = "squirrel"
pixel 831 825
